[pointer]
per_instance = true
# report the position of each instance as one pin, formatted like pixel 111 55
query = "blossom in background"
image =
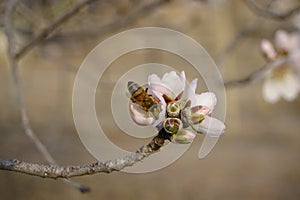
pixel 284 79
pixel 181 118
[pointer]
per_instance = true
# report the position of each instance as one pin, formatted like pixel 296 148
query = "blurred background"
pixel 258 156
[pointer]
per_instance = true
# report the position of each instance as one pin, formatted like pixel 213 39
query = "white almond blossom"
pixel 207 101
pixel 181 118
pixel 283 81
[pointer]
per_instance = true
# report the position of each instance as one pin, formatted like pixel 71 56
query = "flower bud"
pixel 196 118
pixel 268 50
pixel 183 137
pixel 185 114
pixel 172 125
pixel 173 109
pixel 194 115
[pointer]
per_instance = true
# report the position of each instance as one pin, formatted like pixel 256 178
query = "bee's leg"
pixel 155 110
pixel 132 99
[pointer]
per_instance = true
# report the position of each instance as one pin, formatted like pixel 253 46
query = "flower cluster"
pixel 284 79
pixel 181 118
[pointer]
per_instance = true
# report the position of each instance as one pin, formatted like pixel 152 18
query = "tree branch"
pixel 55 171
pixel 257 75
pixel 10 7
pixel 245 31
pixel 121 21
pixel 68 14
pixel 270 14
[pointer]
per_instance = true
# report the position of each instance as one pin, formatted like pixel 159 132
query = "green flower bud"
pixel 183 137
pixel 172 125
pixel 173 109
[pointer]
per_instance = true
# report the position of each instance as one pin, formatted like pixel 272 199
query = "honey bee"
pixel 146 101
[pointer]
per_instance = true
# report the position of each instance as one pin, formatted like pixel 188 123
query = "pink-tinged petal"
pixel 157 95
pixel 211 127
pixel 159 89
pixel 286 41
pixel 268 49
pixel 207 99
pixel 171 84
pixel 290 86
pixel 184 136
pixel 156 86
pixel 200 110
pixel 139 116
pixel 271 90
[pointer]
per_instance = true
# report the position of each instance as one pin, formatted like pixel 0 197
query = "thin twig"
pixel 11 4
pixel 245 31
pixel 29 15
pixel 119 22
pixel 257 75
pixel 68 14
pixel 269 13
pixel 54 171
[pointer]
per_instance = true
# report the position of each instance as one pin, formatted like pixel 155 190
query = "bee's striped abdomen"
pixel 132 87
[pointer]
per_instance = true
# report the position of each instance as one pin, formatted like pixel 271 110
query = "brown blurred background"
pixel 257 158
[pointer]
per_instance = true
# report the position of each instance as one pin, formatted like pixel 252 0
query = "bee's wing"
pixel 128 95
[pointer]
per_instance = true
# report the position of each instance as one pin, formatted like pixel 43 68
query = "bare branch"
pixel 54 171
pixel 11 4
pixel 68 14
pixel 121 21
pixel 28 15
pixel 248 79
pixel 269 13
pixel 244 32
pixel 257 75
